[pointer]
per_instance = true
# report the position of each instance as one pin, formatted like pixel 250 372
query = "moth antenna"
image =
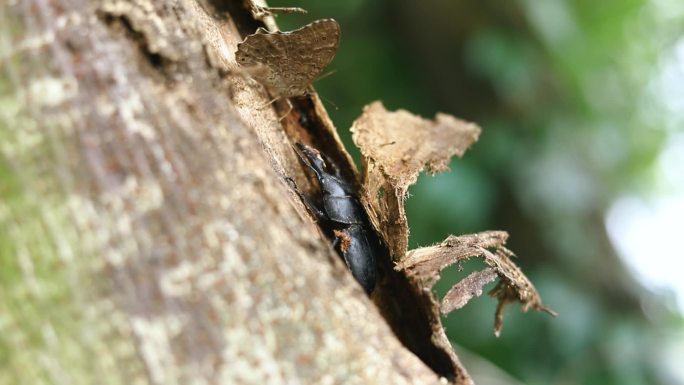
pixel 270 102
pixel 311 91
pixel 284 10
pixel 289 109
pixel 329 101
pixel 325 75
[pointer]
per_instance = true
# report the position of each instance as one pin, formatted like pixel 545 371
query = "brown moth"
pixel 286 63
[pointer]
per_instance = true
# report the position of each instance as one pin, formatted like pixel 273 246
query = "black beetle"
pixel 342 217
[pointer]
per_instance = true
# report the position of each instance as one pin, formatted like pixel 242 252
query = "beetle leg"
pixel 318 214
pixel 315 211
pixel 289 109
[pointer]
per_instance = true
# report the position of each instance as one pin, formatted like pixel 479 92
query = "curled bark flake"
pixel 428 262
pixel 471 286
pixel 396 146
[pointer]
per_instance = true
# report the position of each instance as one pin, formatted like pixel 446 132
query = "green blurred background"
pixel 581 160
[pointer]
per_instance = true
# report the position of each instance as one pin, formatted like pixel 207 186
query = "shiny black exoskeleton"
pixel 342 217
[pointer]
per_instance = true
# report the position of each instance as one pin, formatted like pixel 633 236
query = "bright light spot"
pixel 672 356
pixel 672 78
pixel 646 235
pixel 646 231
pixel 669 86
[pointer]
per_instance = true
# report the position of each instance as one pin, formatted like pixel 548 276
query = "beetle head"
pixel 312 158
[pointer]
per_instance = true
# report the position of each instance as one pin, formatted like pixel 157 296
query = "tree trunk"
pixel 146 232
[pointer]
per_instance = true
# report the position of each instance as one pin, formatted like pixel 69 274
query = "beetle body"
pixel 343 217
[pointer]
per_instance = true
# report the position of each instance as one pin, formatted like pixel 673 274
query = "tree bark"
pixel 146 232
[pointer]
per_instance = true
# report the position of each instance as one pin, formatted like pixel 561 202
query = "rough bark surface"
pixel 146 234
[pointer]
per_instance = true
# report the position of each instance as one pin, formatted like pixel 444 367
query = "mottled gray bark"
pixel 146 233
